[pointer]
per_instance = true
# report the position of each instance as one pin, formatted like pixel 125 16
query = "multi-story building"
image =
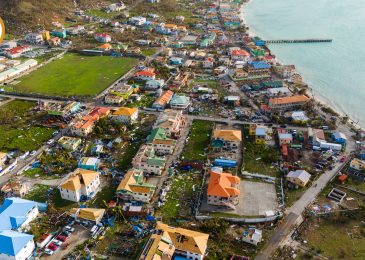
pixel 223 189
pixel 226 139
pixel 168 242
pixel 288 103
pixel 125 115
pixel 134 187
pixel 160 142
pixel 80 183
pixel 148 162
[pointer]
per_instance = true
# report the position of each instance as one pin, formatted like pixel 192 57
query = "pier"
pixel 299 41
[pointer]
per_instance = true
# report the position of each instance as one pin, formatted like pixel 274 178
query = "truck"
pixel 330 146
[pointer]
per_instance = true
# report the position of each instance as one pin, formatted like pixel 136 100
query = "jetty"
pixel 299 41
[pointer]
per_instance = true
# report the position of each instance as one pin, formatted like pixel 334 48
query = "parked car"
pixel 51 141
pixel 61 238
pixel 48 251
pixel 56 242
pixel 69 229
pixel 52 246
pixel 33 153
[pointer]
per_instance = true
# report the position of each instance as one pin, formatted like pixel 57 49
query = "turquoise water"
pixel 335 71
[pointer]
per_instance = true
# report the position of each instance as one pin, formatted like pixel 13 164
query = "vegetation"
pixel 17 132
pixel 75 75
pixel 198 141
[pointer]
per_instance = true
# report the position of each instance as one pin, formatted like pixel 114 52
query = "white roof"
pixel 303 175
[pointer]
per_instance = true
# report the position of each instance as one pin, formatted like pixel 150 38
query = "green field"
pixel 17 130
pixel 75 75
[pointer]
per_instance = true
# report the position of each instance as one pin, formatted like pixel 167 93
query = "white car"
pixel 70 229
pixel 56 242
pixel 33 153
pixel 51 141
pixel 48 251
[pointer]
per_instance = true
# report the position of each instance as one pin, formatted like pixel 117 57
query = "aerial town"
pixel 131 130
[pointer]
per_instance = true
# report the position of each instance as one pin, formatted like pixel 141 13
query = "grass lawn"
pixel 75 75
pixel 16 129
pixel 337 238
pixel 199 140
pixel 100 13
pixel 258 159
pixel 148 52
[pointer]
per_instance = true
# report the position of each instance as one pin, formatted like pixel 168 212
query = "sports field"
pixel 75 75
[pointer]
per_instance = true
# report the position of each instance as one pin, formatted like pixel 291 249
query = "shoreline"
pixel 311 92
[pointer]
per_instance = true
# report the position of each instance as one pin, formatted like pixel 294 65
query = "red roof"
pixel 18 49
pixel 284 150
pixel 342 178
pixel 102 35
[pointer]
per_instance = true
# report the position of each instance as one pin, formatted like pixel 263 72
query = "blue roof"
pixel 260 65
pixel 13 212
pixel 260 131
pixel 12 242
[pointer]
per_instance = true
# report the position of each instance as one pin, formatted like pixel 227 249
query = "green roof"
pixel 157 133
pixel 157 161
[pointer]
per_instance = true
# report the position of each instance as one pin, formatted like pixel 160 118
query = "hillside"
pixel 23 15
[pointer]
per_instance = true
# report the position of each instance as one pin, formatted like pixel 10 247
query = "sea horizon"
pixel 321 65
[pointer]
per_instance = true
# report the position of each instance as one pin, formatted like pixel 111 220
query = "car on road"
pixel 51 141
pixel 33 153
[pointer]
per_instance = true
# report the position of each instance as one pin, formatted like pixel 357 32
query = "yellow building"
pixel 88 214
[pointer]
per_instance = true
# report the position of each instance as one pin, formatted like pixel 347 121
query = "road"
pixel 23 164
pixel 294 213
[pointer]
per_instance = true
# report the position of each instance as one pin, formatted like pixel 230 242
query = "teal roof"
pixel 179 100
pixel 156 161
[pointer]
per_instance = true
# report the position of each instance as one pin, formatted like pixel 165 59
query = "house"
pixel 179 102
pixel 117 7
pixel 134 187
pixel 223 189
pixel 162 101
pixel 59 33
pixel 69 143
pixel 189 40
pixel 144 75
pixel 15 188
pixel 172 121
pixel 299 177
pixel 54 41
pixel 278 92
pixel 357 164
pixel 285 138
pixel 154 84
pixel 285 71
pixel 17 52
pixel 148 162
pixel 15 245
pixel 160 142
pixel 103 37
pixel 239 55
pixel 175 243
pixel 176 61
pixel 16 214
pixel 91 215
pixel 3 159
pixel 260 134
pixel 137 20
pixel 89 163
pixel 339 137
pixel 252 236
pixel 34 38
pixel 63 109
pixel 299 116
pixel 80 183
pixel 104 47
pixel 208 63
pixel 226 139
pixel 7 45
pixel 82 127
pixel 112 98
pixel 220 70
pixel 125 91
pixel 125 115
pixel 288 103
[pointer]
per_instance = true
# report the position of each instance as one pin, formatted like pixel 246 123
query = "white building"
pixel 34 38
pixel 252 236
pixel 80 183
pixel 17 70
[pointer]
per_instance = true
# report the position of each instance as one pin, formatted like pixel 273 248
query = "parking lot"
pixel 256 199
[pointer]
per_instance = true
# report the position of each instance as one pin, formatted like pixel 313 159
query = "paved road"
pixel 294 213
pixel 31 98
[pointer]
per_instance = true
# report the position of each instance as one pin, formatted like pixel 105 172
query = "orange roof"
pixel 165 97
pixel 228 135
pixel 125 111
pixel 288 100
pixel 222 185
pixel 105 46
pixel 170 25
pixel 145 73
pixel 240 53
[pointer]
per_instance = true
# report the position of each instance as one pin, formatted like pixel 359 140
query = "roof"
pixel 79 176
pixel 228 135
pixel 13 242
pixel 125 111
pixel 285 136
pixel 221 184
pixel 260 131
pixel 88 213
pixel 133 181
pixel 302 175
pixel 336 135
pixel 179 99
pixel 89 161
pixel 13 212
pixel 165 98
pixel 240 52
pixel 185 239
pixel 260 65
pixel 145 73
pixel 288 100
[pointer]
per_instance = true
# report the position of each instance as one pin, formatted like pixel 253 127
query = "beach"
pixel 339 90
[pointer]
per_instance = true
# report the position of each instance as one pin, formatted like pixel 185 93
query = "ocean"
pixel 334 71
